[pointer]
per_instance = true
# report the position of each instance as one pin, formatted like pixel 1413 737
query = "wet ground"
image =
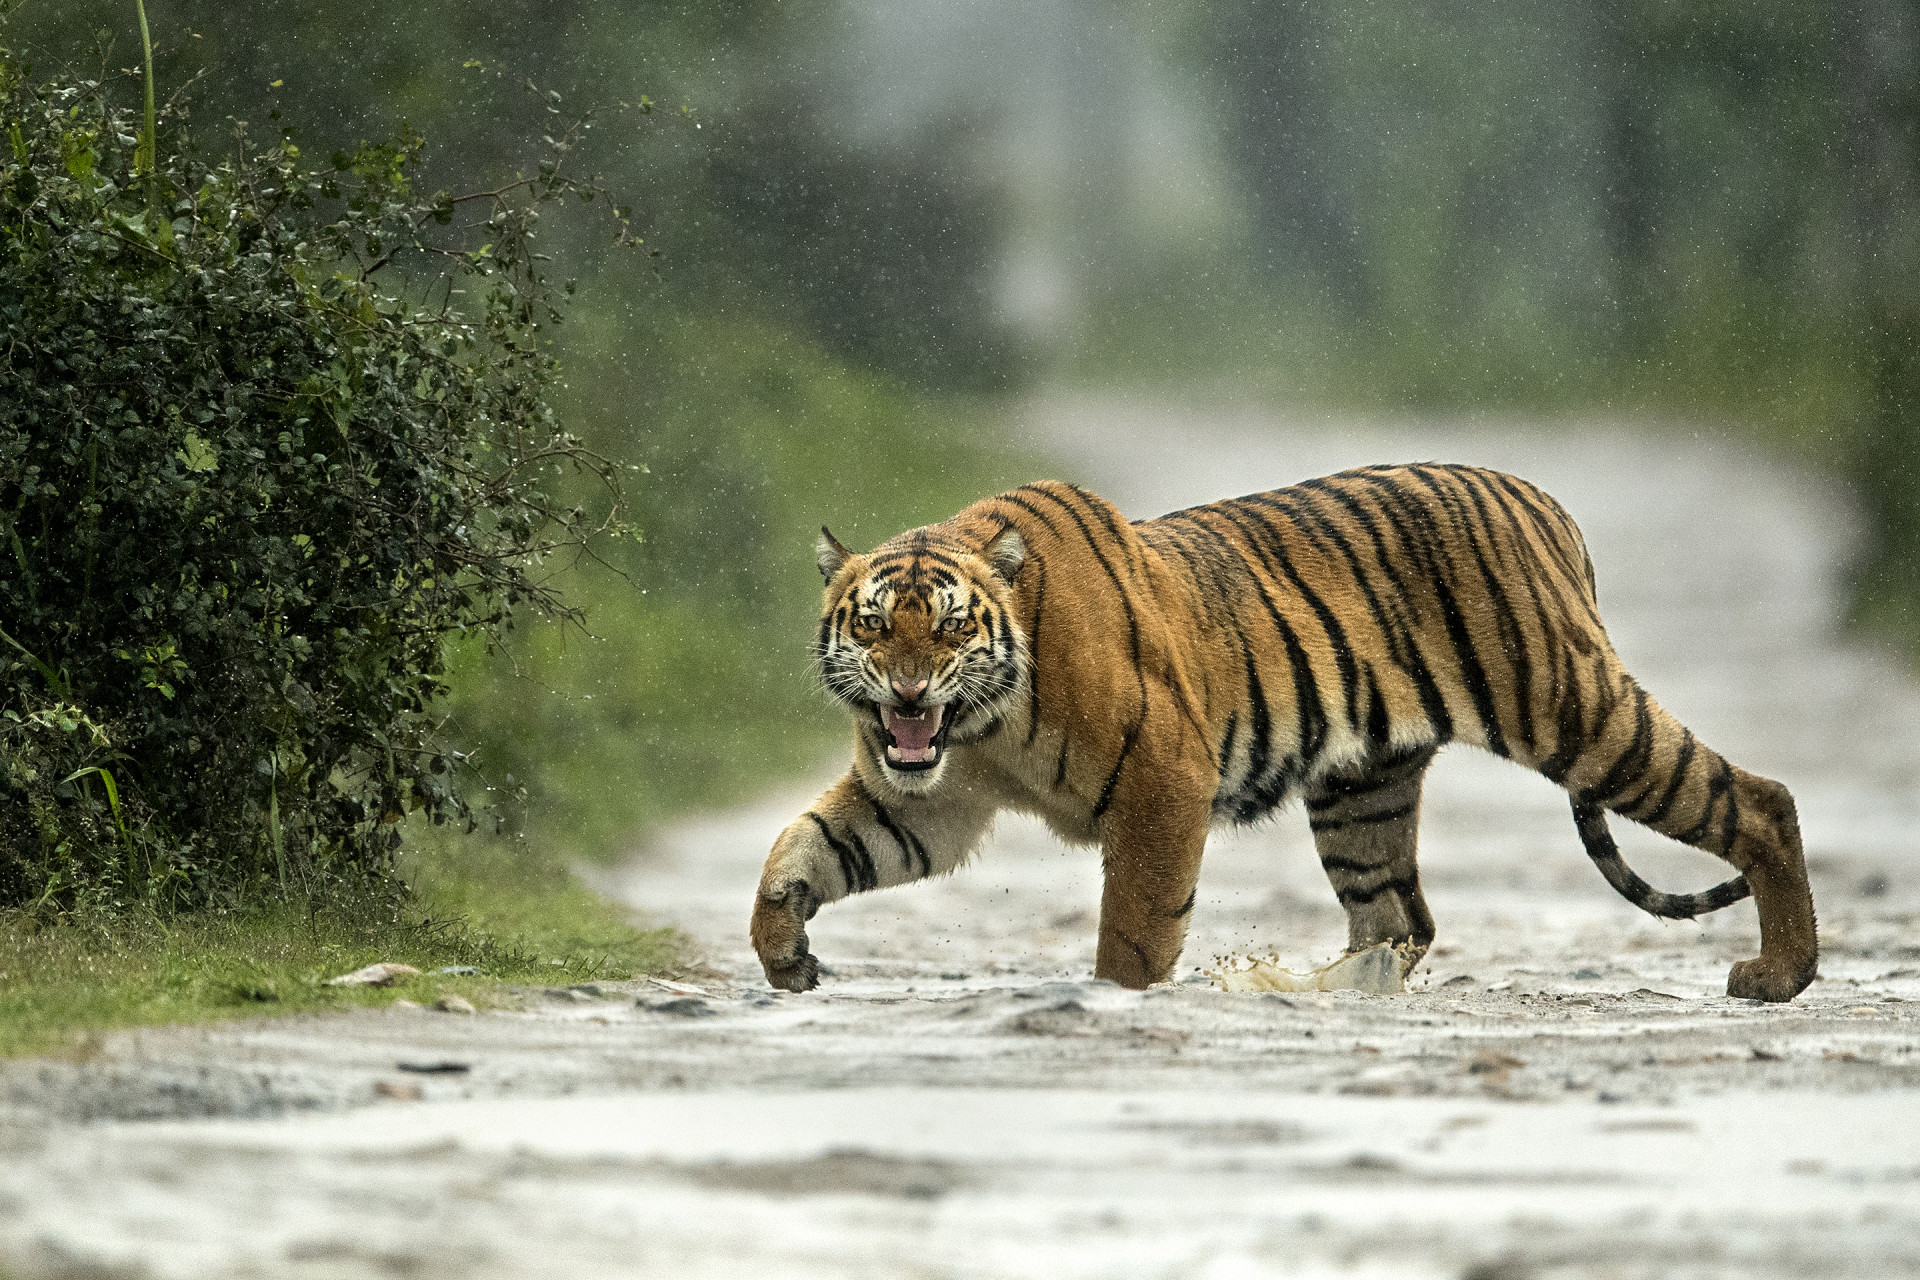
pixel 1563 1092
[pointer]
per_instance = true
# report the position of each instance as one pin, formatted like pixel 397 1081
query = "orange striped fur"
pixel 1136 684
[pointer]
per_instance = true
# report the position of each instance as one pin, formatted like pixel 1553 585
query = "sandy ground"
pixel 1563 1093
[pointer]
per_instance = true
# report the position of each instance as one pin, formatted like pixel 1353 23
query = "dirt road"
pixel 1565 1093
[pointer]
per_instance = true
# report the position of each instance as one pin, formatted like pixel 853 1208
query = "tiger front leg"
pixel 1153 837
pixel 848 841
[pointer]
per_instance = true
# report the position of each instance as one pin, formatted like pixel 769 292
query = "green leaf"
pixel 198 455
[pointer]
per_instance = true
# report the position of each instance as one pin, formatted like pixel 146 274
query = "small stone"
pixel 1488 1062
pixel 954 977
pixel 1585 975
pixel 1862 1010
pixel 384 974
pixel 454 1004
pixel 404 1003
pixel 681 1007
pixel 1459 980
pixel 591 990
pixel 567 994
pixel 458 971
pixel 397 1091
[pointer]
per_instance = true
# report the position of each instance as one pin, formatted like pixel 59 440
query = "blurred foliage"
pixel 247 494
pixel 1706 210
pixel 877 251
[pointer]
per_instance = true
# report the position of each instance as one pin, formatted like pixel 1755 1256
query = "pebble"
pixel 397 1091
pixel 682 1007
pixel 454 1004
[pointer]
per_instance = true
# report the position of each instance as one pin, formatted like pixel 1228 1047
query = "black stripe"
pixel 1518 651
pixel 1633 762
pixel 1113 779
pixel 1060 770
pixel 1730 827
pixel 1432 702
pixel 1103 510
pixel 913 558
pixel 1126 601
pixel 1311 715
pixel 1721 781
pixel 1323 825
pixel 869 874
pixel 1311 520
pixel 1404 886
pixel 1688 744
pixel 1336 634
pixel 1260 741
pixel 1386 771
pixel 1187 906
pixel 1379 724
pixel 1476 677
pixel 1570 716
pixel 1341 864
pixel 847 864
pixel 910 846
pixel 1558 532
pixel 1033 651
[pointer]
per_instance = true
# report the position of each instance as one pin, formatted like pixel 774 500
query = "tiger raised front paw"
pixel 779 936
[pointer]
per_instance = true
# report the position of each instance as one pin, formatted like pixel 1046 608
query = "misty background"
pixel 881 226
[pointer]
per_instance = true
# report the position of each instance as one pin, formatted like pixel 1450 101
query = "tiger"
pixel 1136 684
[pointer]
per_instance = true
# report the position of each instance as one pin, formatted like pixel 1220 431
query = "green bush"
pixel 250 485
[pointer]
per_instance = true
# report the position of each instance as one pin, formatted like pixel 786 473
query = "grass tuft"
pixel 65 981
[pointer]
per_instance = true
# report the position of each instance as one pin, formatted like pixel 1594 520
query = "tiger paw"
pixel 1765 979
pixel 779 934
pixel 801 974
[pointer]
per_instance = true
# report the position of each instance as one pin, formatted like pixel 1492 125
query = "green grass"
pixel 63 983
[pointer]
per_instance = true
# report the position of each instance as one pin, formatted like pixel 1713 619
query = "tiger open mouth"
pixel 914 743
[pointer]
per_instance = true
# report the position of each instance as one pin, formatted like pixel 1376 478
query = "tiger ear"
pixel 828 553
pixel 1007 553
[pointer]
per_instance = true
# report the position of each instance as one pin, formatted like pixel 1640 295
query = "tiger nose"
pixel 910 689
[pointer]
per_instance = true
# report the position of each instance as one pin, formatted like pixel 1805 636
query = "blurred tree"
pixel 1878 83
pixel 878 251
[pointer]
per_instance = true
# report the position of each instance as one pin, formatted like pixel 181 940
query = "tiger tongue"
pixel 913 735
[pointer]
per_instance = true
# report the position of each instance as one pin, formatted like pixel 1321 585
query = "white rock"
pixel 374 975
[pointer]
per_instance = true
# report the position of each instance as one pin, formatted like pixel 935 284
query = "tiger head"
pixel 918 639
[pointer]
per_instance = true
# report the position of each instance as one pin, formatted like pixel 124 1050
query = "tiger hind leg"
pixel 1642 763
pixel 1365 827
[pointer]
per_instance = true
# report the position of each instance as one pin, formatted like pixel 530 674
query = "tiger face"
pixel 918 640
